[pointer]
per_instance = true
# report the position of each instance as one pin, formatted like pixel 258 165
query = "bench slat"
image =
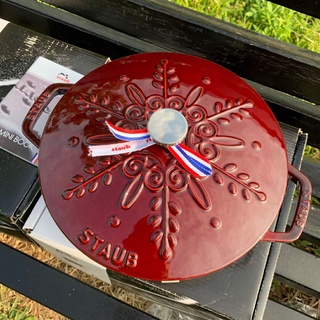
pixel 255 57
pixel 311 168
pixel 312 8
pixel 292 111
pixel 59 291
pixel 100 39
pixel 311 230
pixel 300 269
pixel 76 30
pixel 276 311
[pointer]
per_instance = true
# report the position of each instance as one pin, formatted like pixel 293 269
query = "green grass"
pixel 312 152
pixel 15 313
pixel 263 17
pixel 11 307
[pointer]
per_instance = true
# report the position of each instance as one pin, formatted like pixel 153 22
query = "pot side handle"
pixel 37 108
pixel 301 213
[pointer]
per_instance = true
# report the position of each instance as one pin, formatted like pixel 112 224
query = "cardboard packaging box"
pixel 19 190
pixel 29 62
pixel 41 227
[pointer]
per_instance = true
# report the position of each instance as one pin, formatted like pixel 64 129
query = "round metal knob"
pixel 167 127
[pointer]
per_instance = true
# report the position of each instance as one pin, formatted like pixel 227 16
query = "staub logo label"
pixel 63 77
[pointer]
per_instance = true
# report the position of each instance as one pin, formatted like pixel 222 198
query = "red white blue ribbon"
pixel 128 135
pixel 193 162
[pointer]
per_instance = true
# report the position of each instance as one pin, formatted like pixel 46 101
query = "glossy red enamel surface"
pixel 142 214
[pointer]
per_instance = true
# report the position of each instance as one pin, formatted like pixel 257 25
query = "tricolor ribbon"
pixel 193 162
pixel 128 135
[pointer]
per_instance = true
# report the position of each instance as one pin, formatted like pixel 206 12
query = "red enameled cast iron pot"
pixel 141 213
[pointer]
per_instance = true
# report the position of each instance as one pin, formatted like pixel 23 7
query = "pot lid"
pixel 142 213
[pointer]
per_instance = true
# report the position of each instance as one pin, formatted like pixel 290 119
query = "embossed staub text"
pixel 38 105
pixel 116 254
pixel 303 209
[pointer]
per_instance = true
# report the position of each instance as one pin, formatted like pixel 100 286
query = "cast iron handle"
pixel 301 213
pixel 37 108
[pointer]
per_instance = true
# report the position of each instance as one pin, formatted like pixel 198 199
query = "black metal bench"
pixel 288 78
